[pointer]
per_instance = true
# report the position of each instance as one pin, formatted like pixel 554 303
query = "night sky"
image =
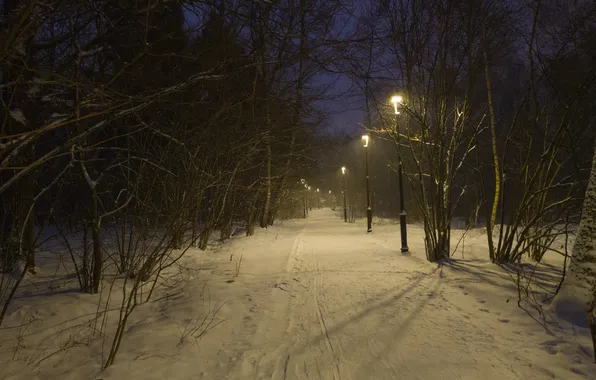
pixel 344 101
pixel 346 108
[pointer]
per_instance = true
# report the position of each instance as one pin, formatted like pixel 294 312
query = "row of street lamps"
pixel 305 200
pixel 402 215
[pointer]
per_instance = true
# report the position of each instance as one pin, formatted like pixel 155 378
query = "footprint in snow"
pixel 484 310
pixel 577 370
pixel 481 301
pixel 281 286
pixel 504 320
pixel 550 346
pixel 550 349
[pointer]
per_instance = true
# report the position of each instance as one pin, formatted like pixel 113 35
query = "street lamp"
pixel 318 199
pixel 402 215
pixel 343 177
pixel 396 99
pixel 304 198
pixel 365 139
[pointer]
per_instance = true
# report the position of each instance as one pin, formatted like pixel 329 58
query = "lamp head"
pixel 365 140
pixel 396 99
pixel 343 170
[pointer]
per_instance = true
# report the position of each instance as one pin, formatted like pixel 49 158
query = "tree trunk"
pixel 581 278
pixel 177 227
pixel 204 238
pixel 29 234
pixel 95 236
pixel 85 267
pixel 271 214
pixel 493 215
pixel 265 215
pixel 250 226
pixel 123 250
pixel 250 215
pixel 273 211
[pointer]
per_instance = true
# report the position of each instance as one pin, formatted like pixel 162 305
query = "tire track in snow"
pixel 321 318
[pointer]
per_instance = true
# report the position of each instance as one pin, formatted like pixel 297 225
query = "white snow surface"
pixel 312 299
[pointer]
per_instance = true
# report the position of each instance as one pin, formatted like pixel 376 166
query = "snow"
pixel 308 299
pixel 18 116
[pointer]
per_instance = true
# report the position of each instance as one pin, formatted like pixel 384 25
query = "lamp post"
pixel 302 181
pixel 402 215
pixel 306 200
pixel 365 139
pixel 318 199
pixel 343 177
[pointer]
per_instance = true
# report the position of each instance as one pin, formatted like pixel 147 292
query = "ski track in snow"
pixel 319 311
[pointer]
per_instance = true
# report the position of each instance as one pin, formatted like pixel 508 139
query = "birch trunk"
pixel 493 214
pixel 581 278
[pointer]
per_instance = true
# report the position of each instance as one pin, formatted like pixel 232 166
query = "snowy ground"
pixel 310 299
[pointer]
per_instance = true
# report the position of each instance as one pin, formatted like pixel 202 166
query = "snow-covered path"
pixel 325 300
pixel 308 299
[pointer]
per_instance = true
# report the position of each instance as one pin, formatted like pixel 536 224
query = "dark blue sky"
pixel 345 103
